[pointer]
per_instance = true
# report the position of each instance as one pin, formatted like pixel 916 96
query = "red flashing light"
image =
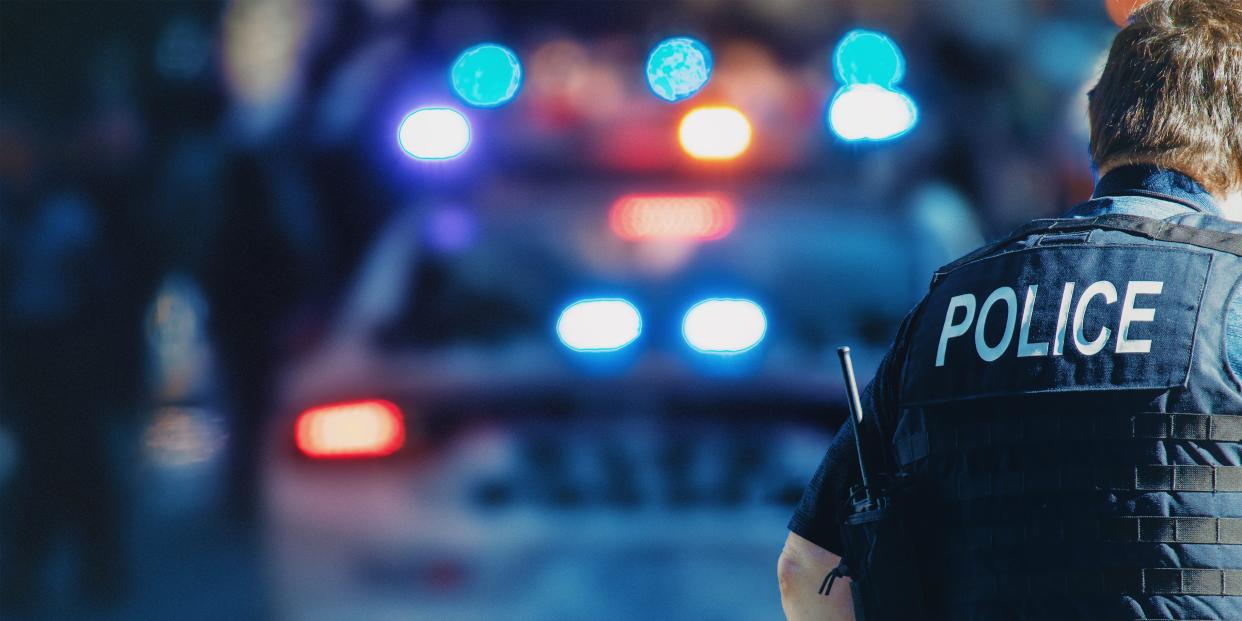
pixel 637 217
pixel 370 428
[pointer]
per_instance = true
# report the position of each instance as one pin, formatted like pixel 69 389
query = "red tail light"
pixel 671 216
pixel 370 428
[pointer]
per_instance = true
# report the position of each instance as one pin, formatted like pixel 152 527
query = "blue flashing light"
pixel 450 229
pixel 871 112
pixel 867 57
pixel 678 68
pixel 486 75
pixel 599 325
pixel 724 326
pixel 434 134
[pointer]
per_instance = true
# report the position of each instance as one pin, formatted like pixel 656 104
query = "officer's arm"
pixel 801 570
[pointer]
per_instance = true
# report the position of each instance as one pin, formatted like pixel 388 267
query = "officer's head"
pixel 1171 94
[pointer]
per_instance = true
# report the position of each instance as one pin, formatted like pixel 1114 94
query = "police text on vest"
pixel 1104 290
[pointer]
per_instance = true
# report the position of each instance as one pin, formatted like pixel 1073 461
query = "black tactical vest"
pixel 1069 419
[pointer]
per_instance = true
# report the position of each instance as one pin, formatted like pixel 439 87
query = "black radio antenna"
pixel 856 412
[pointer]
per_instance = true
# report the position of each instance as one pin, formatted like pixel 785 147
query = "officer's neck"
pixel 1229 201
pixel 1230 205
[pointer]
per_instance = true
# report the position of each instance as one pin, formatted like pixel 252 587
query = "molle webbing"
pixel 1145 529
pixel 971 433
pixel 1148 478
pixel 1151 581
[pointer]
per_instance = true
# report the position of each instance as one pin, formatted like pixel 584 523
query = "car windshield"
pixel 488 276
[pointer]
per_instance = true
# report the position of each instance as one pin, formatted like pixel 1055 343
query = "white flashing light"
pixel 871 112
pixel 724 326
pixel 434 134
pixel 599 325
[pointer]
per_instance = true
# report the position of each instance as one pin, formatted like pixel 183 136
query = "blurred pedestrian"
pixel 63 385
pixel 254 282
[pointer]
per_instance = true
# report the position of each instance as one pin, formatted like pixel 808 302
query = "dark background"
pixel 189 194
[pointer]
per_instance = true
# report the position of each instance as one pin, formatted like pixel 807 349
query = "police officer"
pixel 1066 403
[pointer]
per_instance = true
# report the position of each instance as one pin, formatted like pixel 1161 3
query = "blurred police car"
pixel 448 454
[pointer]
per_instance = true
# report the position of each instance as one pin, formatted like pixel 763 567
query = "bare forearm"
pixel 801 570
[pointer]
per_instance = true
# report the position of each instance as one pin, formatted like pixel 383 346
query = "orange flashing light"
pixel 1120 10
pixel 714 133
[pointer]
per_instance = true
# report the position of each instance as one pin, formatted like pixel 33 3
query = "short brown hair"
pixel 1171 92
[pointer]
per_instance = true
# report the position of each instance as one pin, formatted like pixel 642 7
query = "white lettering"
pixel 1075 322
pixel 1058 343
pixel 1010 298
pixel 1025 346
pixel 1129 314
pixel 953 330
pixel 1090 348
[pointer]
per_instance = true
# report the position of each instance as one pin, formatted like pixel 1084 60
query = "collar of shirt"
pixel 1146 190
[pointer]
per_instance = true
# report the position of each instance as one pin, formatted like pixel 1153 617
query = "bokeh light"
pixel 867 57
pixel 434 134
pixel 557 80
pixel 567 83
pixel 637 217
pixel 261 44
pixel 678 68
pixel 486 75
pixel 599 325
pixel 871 112
pixel 450 229
pixel 370 428
pixel 183 436
pixel 1120 10
pixel 714 133
pixel 724 326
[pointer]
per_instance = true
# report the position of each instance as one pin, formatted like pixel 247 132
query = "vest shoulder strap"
pixel 1158 230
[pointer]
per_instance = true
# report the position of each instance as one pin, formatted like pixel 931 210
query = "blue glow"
pixel 867 57
pixel 678 68
pixel 599 325
pixel 450 229
pixel 486 75
pixel 434 134
pixel 871 112
pixel 724 326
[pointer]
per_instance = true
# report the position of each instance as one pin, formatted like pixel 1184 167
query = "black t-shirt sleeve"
pixel 816 518
pixel 818 515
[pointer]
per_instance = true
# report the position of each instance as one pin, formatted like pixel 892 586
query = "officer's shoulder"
pixel 1196 229
pixel 1207 222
